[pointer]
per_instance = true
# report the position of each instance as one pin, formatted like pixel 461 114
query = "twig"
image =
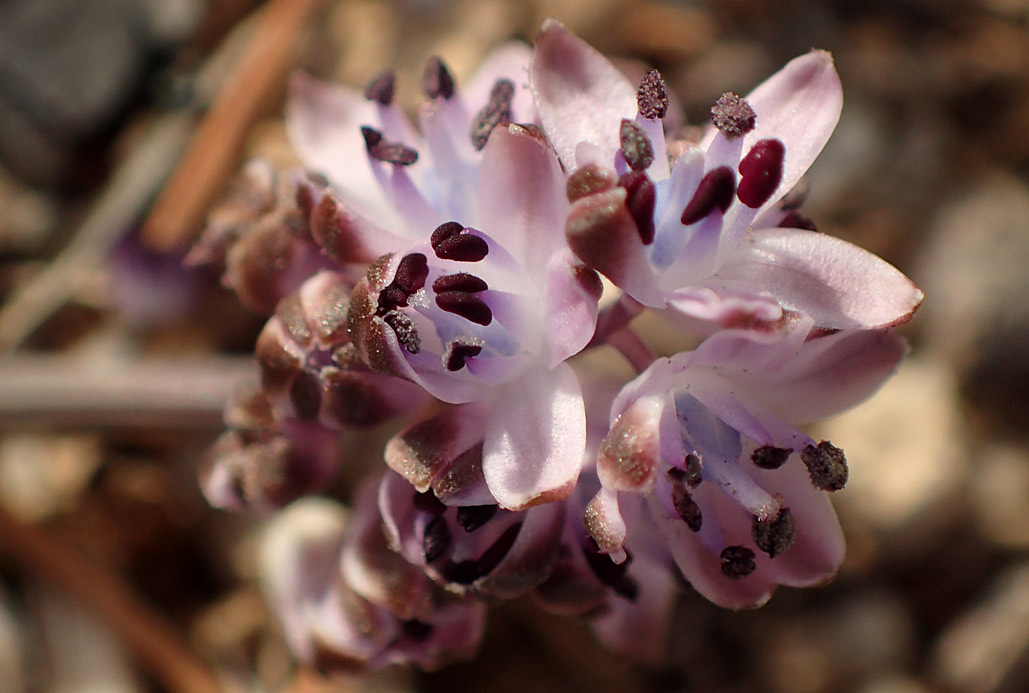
pixel 131 188
pixel 216 148
pixel 146 633
pixel 166 393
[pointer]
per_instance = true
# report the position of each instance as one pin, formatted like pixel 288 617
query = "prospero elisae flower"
pixel 713 236
pixel 448 275
pixel 705 445
pixel 347 602
pixel 475 297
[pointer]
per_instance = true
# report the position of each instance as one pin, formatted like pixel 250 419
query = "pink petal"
pixel 700 565
pixel 423 452
pixel 581 96
pixel 601 232
pixel 531 558
pixel 800 105
pixel 521 196
pixel 819 548
pixel 324 122
pixel 509 61
pixel 828 375
pixel 838 284
pixel 571 306
pixel 535 439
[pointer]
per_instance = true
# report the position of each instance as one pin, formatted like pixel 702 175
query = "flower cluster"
pixel 448 279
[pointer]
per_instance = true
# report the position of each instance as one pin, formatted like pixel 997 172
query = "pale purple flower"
pixel 346 601
pixel 701 235
pixel 704 449
pixel 476 297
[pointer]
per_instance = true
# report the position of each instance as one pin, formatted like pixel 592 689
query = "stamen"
pixel 437 539
pixel 387 152
pixel 468 306
pixel 407 333
pixel 458 351
pixel 687 508
pixel 761 172
pixel 412 271
pixel 589 180
pixel 776 534
pixel 445 231
pixel 372 137
pixel 391 298
pixel 652 96
pixel 716 189
pixel 461 247
pixel 826 465
pixel 429 503
pixel 395 153
pixel 462 281
pixel 380 89
pixel 737 562
pixel 733 116
pixel 770 457
pixel 636 146
pixel 472 517
pixel 640 199
pixel 495 112
pixel 437 82
pixel 691 475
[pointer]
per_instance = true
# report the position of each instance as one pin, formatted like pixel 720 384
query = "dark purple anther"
pixel 826 465
pixel 436 539
pixel 716 191
pixel 733 116
pixel 387 152
pixel 737 562
pixel 686 507
pixel 380 89
pixel 418 631
pixel 472 517
pixel 437 82
pixel 761 172
pixel 412 271
pixel 404 327
pixel 468 306
pixel 495 112
pixel 640 200
pixel 774 535
pixel 462 281
pixel 652 97
pixel 770 457
pixel 461 247
pixel 636 146
pixel 796 220
pixel 372 137
pixel 458 351
pixel 444 231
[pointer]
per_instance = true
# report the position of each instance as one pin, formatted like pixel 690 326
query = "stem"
pixel 613 318
pixel 632 348
pixel 145 632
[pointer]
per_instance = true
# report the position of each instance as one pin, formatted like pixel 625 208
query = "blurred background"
pixel 120 123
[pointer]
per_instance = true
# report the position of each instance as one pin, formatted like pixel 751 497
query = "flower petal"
pixel 581 96
pixel 535 439
pixel 324 122
pixel 522 204
pixel 838 284
pixel 570 306
pixel 799 105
